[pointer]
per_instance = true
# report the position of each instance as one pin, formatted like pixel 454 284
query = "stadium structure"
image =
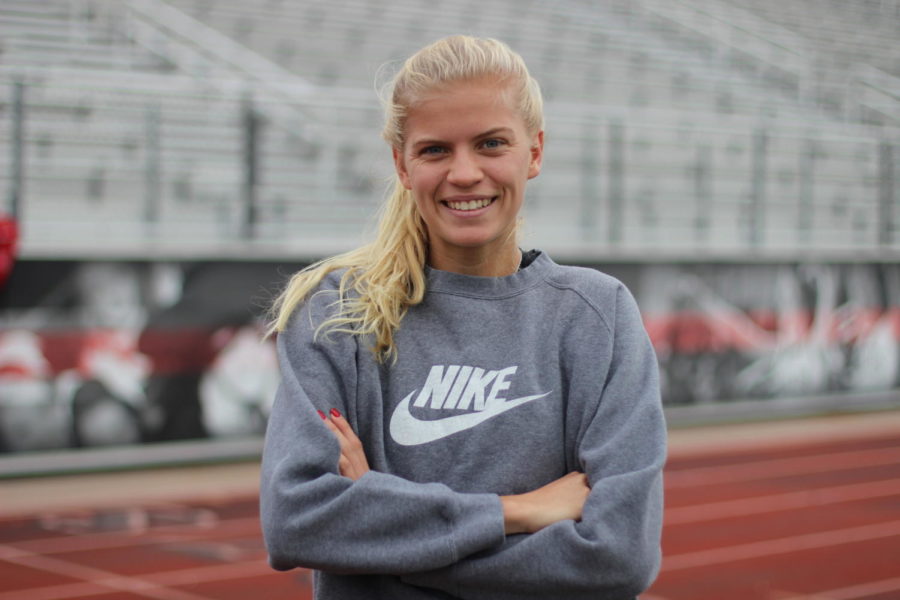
pixel 230 128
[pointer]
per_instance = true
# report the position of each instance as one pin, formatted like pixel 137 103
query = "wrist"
pixel 513 515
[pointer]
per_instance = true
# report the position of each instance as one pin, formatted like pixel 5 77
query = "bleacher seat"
pixel 722 138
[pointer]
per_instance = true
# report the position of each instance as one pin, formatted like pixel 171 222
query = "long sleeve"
pixel 312 516
pixel 614 551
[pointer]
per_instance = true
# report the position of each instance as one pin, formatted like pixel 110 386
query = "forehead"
pixel 463 107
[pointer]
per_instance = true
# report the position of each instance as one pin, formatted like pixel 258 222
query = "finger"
pixel 579 478
pixel 352 462
pixel 341 423
pixel 332 427
pixel 353 443
pixel 344 466
pixel 346 445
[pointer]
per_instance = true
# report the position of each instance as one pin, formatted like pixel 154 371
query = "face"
pixel 466 159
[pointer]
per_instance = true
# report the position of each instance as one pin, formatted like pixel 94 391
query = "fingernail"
pixel 335 412
pixel 321 414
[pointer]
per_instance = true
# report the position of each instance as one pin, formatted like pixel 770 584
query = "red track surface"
pixel 792 518
pixel 813 520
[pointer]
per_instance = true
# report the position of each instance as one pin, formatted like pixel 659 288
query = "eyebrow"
pixel 494 131
pixel 488 133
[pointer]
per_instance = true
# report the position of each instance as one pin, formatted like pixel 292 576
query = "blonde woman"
pixel 457 418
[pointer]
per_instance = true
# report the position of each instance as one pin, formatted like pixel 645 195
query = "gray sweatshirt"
pixel 502 385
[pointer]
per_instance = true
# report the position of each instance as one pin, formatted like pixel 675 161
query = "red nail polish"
pixel 335 412
pixel 321 414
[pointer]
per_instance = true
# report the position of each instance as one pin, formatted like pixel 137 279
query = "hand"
pixel 353 462
pixel 557 501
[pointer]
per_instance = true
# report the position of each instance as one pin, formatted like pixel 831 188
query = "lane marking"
pixel 862 590
pixel 159 582
pixel 233 570
pixel 786 545
pixel 810 497
pixel 781 467
pixel 118 539
pixel 107 579
pixel 59 592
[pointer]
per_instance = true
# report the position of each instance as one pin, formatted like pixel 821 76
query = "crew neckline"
pixel 474 285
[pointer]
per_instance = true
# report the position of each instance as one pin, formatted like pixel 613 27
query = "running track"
pixel 784 511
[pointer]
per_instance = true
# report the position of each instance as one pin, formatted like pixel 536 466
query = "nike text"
pixel 462 386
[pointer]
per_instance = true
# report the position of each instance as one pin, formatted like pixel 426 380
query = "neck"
pixel 477 261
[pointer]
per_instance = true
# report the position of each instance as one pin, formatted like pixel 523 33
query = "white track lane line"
pixel 107 579
pixel 193 575
pixel 781 467
pixel 224 571
pixel 729 509
pixel 787 545
pixel 168 534
pixel 66 591
pixel 861 591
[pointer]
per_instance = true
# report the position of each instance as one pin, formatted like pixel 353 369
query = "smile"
pixel 468 204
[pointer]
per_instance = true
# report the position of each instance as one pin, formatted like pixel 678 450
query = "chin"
pixel 474 242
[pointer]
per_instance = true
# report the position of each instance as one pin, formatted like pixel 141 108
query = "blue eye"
pixel 492 144
pixel 432 150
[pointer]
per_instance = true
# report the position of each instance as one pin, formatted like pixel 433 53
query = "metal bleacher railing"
pixel 828 65
pixel 249 129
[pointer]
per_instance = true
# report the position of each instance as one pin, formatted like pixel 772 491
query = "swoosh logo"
pixel 410 431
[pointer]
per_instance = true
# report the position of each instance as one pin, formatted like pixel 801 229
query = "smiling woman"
pixel 466 158
pixel 458 418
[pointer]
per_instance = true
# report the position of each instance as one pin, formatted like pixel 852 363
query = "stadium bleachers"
pixel 699 128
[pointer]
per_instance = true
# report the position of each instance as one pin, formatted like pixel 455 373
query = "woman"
pixel 458 419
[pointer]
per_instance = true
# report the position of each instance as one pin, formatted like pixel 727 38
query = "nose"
pixel 465 171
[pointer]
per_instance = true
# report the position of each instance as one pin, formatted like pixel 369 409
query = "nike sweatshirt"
pixel 501 386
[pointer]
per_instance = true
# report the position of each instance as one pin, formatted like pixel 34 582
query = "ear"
pixel 537 155
pixel 400 166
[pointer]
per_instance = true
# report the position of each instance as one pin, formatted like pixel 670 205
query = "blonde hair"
pixel 387 276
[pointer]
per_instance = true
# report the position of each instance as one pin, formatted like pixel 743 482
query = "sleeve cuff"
pixel 478 524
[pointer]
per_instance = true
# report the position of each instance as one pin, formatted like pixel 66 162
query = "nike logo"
pixel 410 431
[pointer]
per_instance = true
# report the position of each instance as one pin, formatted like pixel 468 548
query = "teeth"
pixel 470 205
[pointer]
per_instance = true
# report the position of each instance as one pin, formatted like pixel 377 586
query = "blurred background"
pixel 166 164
